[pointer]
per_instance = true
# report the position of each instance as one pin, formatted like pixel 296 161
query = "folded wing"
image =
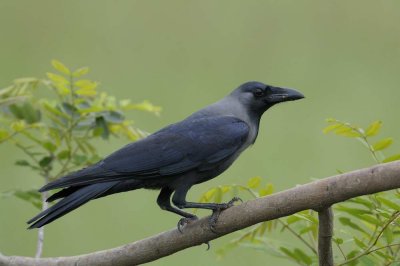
pixel 185 146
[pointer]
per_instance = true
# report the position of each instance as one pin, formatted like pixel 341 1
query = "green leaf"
pixel 347 222
pixel 305 230
pixel 61 67
pixel 389 203
pixel 352 210
pixel 80 72
pixel 62 89
pixel 350 255
pixel 388 235
pixel 359 243
pixel 225 189
pixel 330 128
pixel 114 117
pixel 86 84
pixel 363 201
pixel 18 125
pixel 382 144
pixel 338 240
pixel 25 111
pixel 22 163
pixel 302 256
pixel 254 182
pixel 306 217
pixel 262 228
pixel 373 129
pixel 293 219
pixel 45 161
pixel 31 196
pixel 367 261
pixel 210 194
pixel 347 131
pixel 267 190
pixel 101 125
pixel 218 195
pixel 65 154
pixel 392 158
pixel 16 111
pixel 49 146
pixel 56 112
pixel 31 115
pixel 289 253
pixel 69 109
pixel 3 134
pixel 57 78
pixel 144 106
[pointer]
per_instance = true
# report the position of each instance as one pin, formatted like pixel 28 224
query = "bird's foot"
pixel 184 221
pixel 217 211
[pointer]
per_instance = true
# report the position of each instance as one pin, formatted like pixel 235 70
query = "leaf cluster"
pixel 56 121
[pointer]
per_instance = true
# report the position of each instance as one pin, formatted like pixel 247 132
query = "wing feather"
pixel 181 147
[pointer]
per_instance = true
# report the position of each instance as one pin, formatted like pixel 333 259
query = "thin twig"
pixel 40 240
pixel 298 236
pixel 341 250
pixel 64 166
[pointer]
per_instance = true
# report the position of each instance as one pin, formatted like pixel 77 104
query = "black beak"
pixel 279 95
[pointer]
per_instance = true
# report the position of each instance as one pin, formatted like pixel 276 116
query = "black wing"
pixel 178 148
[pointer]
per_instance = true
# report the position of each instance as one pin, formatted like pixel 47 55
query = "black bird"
pixel 183 154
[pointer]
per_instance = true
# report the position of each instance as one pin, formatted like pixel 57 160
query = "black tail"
pixel 72 200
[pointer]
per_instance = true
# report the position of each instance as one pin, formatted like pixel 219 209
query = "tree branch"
pixel 316 195
pixel 325 233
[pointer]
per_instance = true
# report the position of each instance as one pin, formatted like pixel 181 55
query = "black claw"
pixel 233 200
pixel 213 219
pixel 216 212
pixel 208 245
pixel 184 221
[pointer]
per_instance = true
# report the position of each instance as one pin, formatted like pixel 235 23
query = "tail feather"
pixel 69 203
pixel 63 193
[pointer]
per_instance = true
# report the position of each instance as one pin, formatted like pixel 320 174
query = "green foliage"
pixel 367 228
pixel 364 136
pixel 56 132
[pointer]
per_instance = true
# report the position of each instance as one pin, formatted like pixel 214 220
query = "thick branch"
pixel 316 195
pixel 325 232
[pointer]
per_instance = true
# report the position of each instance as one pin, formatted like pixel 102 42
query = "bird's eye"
pixel 258 92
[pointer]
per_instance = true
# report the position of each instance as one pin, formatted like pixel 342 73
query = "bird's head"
pixel 258 97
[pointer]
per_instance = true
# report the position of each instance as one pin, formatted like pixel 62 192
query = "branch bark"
pixel 325 233
pixel 316 195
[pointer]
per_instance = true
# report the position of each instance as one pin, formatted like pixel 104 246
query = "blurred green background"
pixel 183 55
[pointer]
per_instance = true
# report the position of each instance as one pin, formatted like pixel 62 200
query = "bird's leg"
pixel 179 200
pixel 164 202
